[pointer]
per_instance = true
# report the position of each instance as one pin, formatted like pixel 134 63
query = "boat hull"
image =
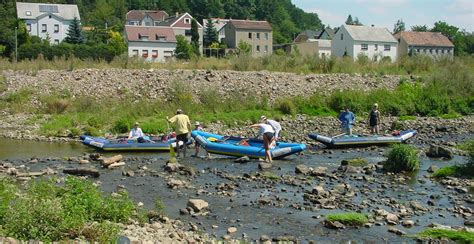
pixel 361 141
pixel 107 145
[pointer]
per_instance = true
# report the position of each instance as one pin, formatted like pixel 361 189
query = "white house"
pixel 181 25
pixel 218 25
pixel 153 43
pixel 47 20
pixel 374 42
pixel 145 17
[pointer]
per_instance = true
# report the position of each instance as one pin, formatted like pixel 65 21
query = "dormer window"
pixel 28 13
pixel 187 21
pixel 160 38
pixel 143 37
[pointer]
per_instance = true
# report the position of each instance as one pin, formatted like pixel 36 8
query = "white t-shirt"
pixel 275 125
pixel 264 128
pixel 135 133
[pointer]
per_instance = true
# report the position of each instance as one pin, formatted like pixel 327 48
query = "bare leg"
pixel 377 130
pixel 177 147
pixel 266 144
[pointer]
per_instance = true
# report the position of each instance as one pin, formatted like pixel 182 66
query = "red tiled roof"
pixel 152 32
pixel 157 15
pixel 425 38
pixel 251 24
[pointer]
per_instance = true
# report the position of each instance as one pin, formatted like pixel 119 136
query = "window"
pixel 156 23
pixel 28 13
pixel 135 52
pixel 145 53
pixel 56 28
pixel 222 32
pixel 266 48
pixel 386 47
pixel 436 50
pixel 417 50
pixel 28 27
pixel 442 50
pixel 56 41
pixel 250 35
pixel 258 36
pixel 143 37
pixel 364 47
pixel 50 16
pixel 168 53
pixel 187 21
pixel 266 36
pixel 258 48
pixel 154 53
pixel 44 28
pixel 376 47
pixel 431 50
pixel 342 36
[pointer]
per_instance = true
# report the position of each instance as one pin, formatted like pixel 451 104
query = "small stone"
pixel 432 169
pixel 408 223
pixel 264 238
pixel 226 237
pixel 243 159
pixel 396 231
pixel 83 161
pixel 231 230
pixel 302 169
pixel 264 166
pixel 391 218
pixel 334 224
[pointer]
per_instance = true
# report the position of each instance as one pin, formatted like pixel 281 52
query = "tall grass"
pixel 352 218
pixel 402 157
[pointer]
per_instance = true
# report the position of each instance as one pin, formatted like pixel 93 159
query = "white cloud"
pixel 381 7
pixel 333 19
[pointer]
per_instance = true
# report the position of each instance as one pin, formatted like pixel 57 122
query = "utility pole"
pixel 16 44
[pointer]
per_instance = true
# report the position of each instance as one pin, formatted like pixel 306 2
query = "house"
pixel 307 35
pixel 309 43
pixel 218 25
pixel 145 17
pixel 156 44
pixel 326 34
pixel 181 25
pixel 373 42
pixel 256 33
pixel 47 21
pixel 433 44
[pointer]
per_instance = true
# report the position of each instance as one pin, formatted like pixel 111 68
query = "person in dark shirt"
pixel 374 119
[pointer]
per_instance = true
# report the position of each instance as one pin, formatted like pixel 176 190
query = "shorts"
pixel 269 135
pixel 182 137
pixel 373 123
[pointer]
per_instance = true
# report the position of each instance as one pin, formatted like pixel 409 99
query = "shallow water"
pixel 242 210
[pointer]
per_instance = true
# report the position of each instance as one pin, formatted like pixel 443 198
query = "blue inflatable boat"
pixel 357 140
pixel 236 146
pixel 127 145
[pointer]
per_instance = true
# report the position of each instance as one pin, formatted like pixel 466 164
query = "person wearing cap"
pixel 197 126
pixel 347 119
pixel 267 132
pixel 274 124
pixel 374 119
pixel 182 128
pixel 136 133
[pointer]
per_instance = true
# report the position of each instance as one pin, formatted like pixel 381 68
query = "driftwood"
pixel 108 161
pixel 118 164
pixel 82 171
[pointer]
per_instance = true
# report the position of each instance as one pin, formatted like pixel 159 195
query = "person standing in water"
pixel 374 119
pixel 183 126
pixel 267 132
pixel 347 119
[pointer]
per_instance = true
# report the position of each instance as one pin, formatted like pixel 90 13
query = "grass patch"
pixel 447 171
pixel 459 236
pixel 49 212
pixel 352 218
pixel 407 117
pixel 402 157
pixel 450 116
pixel 357 162
pixel 269 176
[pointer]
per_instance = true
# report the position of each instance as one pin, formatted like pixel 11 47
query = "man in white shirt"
pixel 275 125
pixel 136 133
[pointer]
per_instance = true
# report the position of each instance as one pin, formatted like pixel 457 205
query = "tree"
pixel 183 48
pixel 210 33
pixel 357 22
pixel 349 20
pixel 420 28
pixel 447 30
pixel 399 26
pixel 116 42
pixel 195 38
pixel 74 34
pixel 244 47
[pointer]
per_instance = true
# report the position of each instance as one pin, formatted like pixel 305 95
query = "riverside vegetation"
pixel 437 88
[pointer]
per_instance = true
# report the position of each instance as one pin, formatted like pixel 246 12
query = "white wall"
pixel 164 49
pixel 339 47
pixel 36 28
pixel 375 54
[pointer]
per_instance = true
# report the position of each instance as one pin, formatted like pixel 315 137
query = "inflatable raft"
pixel 127 145
pixel 236 146
pixel 357 140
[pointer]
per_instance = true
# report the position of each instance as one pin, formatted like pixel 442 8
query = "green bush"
pixel 286 106
pixel 122 125
pixel 455 235
pixel 352 218
pixel 446 171
pixel 402 157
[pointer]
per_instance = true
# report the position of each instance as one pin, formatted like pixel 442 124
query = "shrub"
pixel 122 125
pixel 446 171
pixel 57 106
pixel 286 106
pixel 352 218
pixel 455 235
pixel 402 157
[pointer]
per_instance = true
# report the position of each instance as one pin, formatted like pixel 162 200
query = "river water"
pixel 242 209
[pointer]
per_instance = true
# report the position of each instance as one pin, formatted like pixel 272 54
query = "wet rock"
pixel 319 171
pixel 83 161
pixel 356 162
pixel 302 169
pixel 348 169
pixel 334 224
pixel 231 230
pixel 319 191
pixel 391 218
pixel 264 201
pixel 197 204
pixel 264 238
pixel 175 184
pixel 408 223
pixel 243 159
pixel 173 166
pixel 396 231
pixel 462 190
pixel 264 166
pixel 439 152
pixel 34 161
pixel 469 222
pixel 286 238
pixel 128 173
pixel 432 169
pixel 417 206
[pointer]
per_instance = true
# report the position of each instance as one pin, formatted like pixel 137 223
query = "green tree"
pixel 399 26
pixel 183 48
pixel 446 29
pixel 420 28
pixel 349 20
pixel 244 47
pixel 210 33
pixel 116 42
pixel 74 33
pixel 195 37
pixel 357 22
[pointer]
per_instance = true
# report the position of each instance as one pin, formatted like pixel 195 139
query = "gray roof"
pixel 34 10
pixel 369 33
pixel 329 31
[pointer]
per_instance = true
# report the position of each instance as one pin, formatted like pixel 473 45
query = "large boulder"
pixel 197 204
pixel 439 152
pixel 302 169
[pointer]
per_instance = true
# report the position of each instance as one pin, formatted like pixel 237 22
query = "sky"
pixel 385 13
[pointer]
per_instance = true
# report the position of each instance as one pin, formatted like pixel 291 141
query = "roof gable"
pixel 174 20
pixel 154 33
pixel 369 33
pixel 424 38
pixel 251 25
pixel 137 15
pixel 35 10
